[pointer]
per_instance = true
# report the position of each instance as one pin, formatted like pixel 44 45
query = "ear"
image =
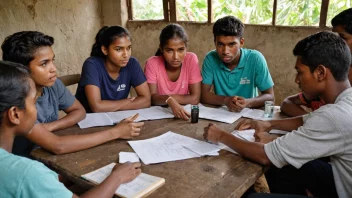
pixel 13 115
pixel 241 42
pixel 104 50
pixel 321 73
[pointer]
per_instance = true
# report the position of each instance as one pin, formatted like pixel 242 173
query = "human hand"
pixel 212 133
pixel 264 137
pixel 258 125
pixel 131 119
pixel 240 103
pixel 126 129
pixel 178 110
pixel 230 104
pixel 126 172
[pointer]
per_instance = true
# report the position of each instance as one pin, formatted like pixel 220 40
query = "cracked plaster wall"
pixel 72 23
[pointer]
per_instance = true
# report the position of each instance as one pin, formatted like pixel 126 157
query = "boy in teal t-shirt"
pixel 235 72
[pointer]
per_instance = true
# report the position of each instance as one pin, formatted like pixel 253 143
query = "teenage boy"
pixel 235 72
pixel 323 62
pixel 291 106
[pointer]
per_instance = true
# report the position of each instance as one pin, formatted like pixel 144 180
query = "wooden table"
pixel 227 175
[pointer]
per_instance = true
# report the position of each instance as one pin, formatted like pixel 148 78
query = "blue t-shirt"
pixel 53 99
pixel 94 73
pixel 250 74
pixel 22 177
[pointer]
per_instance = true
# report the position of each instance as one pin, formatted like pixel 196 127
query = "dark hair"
pixel 344 18
pixel 105 37
pixel 171 31
pixel 21 46
pixel 328 49
pixel 228 26
pixel 14 86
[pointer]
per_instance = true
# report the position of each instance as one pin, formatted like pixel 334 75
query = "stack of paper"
pixel 109 118
pixel 141 186
pixel 164 148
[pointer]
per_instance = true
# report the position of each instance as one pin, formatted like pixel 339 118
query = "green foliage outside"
pixel 335 7
pixel 289 12
pixel 147 9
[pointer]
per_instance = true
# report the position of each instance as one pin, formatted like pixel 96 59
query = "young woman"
pixel 109 73
pixel 173 74
pixel 22 177
pixel 33 49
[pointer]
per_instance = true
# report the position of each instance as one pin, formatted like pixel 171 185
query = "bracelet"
pixel 167 99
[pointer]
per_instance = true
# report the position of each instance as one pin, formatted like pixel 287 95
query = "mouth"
pixel 176 62
pixel 226 58
pixel 124 61
pixel 53 78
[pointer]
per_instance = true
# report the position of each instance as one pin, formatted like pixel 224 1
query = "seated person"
pixel 33 49
pixel 173 74
pixel 109 73
pixel 291 106
pixel 22 177
pixel 235 72
pixel 323 62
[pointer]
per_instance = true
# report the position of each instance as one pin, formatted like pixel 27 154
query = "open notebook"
pixel 110 118
pixel 141 186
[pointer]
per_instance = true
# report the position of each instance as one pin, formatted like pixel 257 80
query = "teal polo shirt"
pixel 251 74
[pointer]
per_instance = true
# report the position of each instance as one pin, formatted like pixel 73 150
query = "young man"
pixel 33 49
pixel 323 61
pixel 291 106
pixel 235 72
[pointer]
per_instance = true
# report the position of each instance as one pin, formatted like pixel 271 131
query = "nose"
pixel 52 68
pixel 297 80
pixel 176 56
pixel 225 50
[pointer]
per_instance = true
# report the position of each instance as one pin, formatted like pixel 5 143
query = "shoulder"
pixel 253 54
pixel 57 87
pixel 155 61
pixel 133 63
pixel 211 55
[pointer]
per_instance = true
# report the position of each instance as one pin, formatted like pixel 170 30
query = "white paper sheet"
pixel 151 113
pixel 95 119
pixel 202 148
pixel 245 134
pixel 164 148
pixel 128 157
pixel 217 114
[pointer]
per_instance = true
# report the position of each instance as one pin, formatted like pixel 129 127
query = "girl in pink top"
pixel 173 74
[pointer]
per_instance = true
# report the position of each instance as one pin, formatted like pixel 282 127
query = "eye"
pixel 118 49
pixel 43 64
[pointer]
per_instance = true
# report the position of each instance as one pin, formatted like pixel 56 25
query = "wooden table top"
pixel 226 175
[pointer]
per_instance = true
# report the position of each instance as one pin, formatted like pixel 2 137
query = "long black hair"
pixel 105 36
pixel 20 47
pixel 14 86
pixel 171 31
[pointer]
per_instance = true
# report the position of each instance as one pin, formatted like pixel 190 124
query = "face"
pixel 228 48
pixel 340 29
pixel 119 51
pixel 174 52
pixel 306 80
pixel 29 113
pixel 43 69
